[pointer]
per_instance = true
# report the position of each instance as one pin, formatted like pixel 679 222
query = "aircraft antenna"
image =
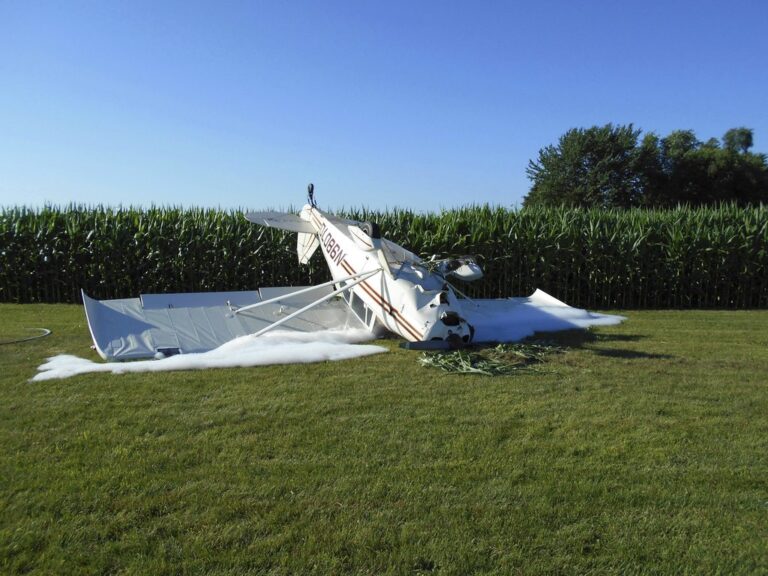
pixel 311 195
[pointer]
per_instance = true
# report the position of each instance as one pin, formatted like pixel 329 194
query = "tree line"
pixel 617 166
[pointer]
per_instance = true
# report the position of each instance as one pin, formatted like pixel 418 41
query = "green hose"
pixel 43 332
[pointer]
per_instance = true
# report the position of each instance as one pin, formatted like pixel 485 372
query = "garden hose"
pixel 43 332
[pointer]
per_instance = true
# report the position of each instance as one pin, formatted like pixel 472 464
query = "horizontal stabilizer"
pixel 290 222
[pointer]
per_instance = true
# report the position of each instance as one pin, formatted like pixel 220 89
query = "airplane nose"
pixel 450 318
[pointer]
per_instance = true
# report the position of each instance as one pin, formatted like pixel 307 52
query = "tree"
pixel 605 166
pixel 589 167
pixel 650 166
pixel 682 168
pixel 705 173
pixel 738 140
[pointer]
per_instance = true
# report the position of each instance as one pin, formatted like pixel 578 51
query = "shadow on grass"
pixel 615 337
pixel 631 354
pixel 494 359
pixel 570 339
pixel 584 339
pixel 578 338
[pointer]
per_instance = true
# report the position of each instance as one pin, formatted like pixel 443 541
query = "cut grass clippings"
pixel 498 360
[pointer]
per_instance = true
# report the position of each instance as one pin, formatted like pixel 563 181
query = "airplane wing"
pixel 513 319
pixel 290 222
pixel 152 324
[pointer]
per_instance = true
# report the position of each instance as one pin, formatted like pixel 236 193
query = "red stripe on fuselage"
pixel 381 301
pixel 378 298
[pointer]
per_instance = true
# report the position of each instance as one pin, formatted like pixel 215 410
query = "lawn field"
pixel 641 449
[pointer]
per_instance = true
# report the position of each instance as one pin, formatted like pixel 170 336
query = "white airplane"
pixel 375 284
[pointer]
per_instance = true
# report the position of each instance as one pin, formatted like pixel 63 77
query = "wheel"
pixel 371 228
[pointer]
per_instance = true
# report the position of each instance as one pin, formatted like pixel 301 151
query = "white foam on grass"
pixel 515 319
pixel 277 347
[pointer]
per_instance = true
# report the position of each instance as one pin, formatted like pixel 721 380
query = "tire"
pixel 372 229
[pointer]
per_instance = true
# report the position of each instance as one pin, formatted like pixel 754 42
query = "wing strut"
pixel 304 291
pixel 360 278
pixel 467 298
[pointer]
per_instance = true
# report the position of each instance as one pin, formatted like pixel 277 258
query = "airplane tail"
pixel 306 244
pixel 307 241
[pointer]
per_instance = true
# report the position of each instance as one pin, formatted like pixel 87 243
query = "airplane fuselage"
pixel 403 296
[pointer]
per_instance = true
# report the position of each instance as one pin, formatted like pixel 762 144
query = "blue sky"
pixel 421 105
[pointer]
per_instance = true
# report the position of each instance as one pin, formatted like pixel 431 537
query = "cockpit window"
pixel 396 256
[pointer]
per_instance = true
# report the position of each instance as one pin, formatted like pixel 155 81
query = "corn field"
pixel 679 258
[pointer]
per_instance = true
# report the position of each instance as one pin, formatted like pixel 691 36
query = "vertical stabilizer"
pixel 306 244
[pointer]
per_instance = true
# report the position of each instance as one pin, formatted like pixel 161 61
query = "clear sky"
pixel 421 105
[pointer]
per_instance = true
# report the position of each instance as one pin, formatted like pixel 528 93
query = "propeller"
pixel 311 195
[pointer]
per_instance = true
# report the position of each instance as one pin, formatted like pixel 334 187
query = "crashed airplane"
pixel 376 284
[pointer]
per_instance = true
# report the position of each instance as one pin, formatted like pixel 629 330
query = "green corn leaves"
pixel 683 257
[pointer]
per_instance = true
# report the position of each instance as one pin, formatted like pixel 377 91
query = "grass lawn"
pixel 643 449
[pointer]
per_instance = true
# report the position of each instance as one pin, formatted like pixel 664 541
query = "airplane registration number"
pixel 332 248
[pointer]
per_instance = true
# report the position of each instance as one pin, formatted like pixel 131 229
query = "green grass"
pixel 642 449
